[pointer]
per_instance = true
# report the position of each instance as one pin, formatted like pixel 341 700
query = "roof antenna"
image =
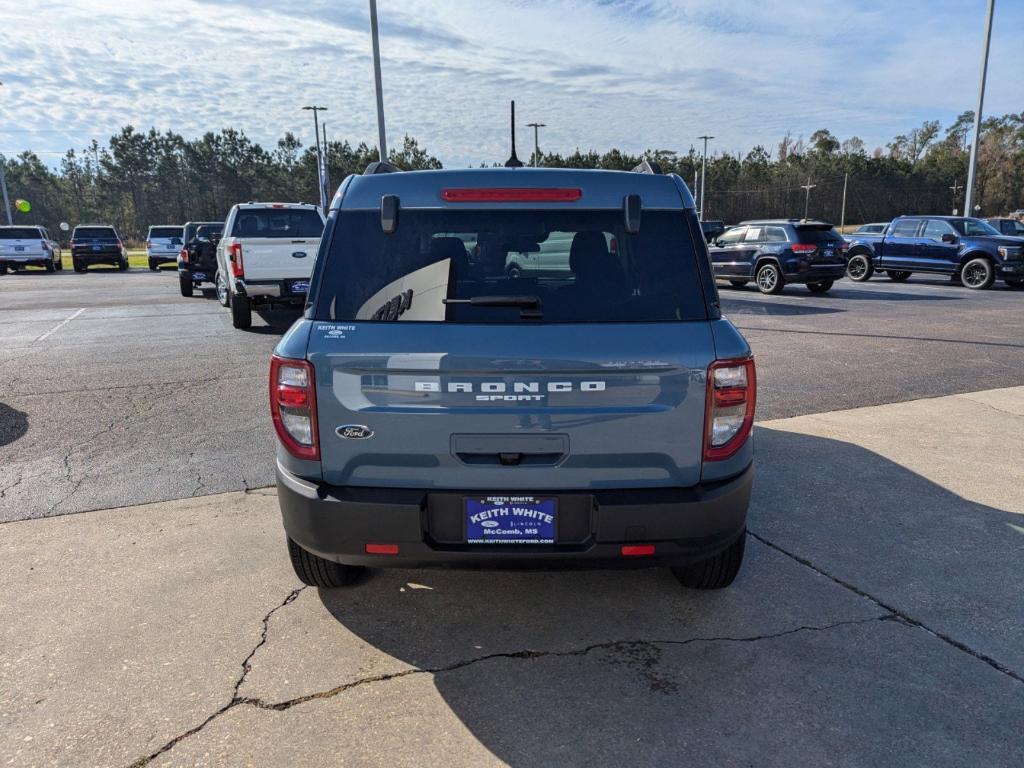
pixel 513 161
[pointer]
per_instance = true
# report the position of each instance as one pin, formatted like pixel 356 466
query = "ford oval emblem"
pixel 354 431
pixel 489 523
pixel 299 255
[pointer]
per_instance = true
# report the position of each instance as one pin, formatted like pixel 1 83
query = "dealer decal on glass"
pixel 510 520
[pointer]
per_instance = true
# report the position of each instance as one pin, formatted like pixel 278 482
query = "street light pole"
pixel 807 200
pixel 968 197
pixel 536 143
pixel 842 215
pixel 382 141
pixel 3 184
pixel 319 157
pixel 703 175
pixel 327 172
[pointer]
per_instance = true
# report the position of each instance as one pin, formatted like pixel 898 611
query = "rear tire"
pixel 718 571
pixel 49 266
pixel 3 267
pixel 898 275
pixel 769 279
pixel 314 571
pixel 241 311
pixel 222 290
pixel 859 268
pixel 59 264
pixel 822 286
pixel 978 274
pixel 185 284
pixel 738 283
pixel 123 265
pixel 153 266
pixel 78 266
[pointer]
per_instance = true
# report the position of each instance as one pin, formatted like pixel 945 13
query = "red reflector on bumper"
pixel 382 549
pixel 637 550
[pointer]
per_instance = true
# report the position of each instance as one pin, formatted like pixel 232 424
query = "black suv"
pixel 780 251
pixel 197 261
pixel 97 244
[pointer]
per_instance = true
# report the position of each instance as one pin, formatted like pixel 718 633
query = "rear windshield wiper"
pixel 531 305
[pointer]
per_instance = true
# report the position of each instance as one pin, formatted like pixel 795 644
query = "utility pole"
pixel 969 196
pixel 382 141
pixel 842 215
pixel 536 143
pixel 957 186
pixel 3 184
pixel 326 171
pixel 703 175
pixel 319 157
pixel 807 201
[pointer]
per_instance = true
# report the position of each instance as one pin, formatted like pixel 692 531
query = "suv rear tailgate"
pixel 617 405
pixel 268 258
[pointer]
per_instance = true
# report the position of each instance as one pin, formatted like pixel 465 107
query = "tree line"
pixel 143 178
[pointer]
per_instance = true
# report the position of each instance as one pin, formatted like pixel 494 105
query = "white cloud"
pixel 600 73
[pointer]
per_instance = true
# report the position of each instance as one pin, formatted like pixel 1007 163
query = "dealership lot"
pixel 877 620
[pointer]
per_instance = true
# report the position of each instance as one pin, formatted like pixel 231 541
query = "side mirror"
pixel 949 237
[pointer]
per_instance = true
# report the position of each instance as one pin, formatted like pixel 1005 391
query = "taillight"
pixel 804 247
pixel 845 247
pixel 293 406
pixel 183 253
pixel 729 412
pixel 149 244
pixel 120 244
pixel 235 257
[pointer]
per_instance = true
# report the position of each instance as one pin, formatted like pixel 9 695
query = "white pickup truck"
pixel 266 256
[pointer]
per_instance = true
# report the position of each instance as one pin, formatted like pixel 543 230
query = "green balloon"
pixel 23 205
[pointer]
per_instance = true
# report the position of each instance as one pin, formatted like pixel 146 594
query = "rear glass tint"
pixel 575 267
pixel 809 235
pixel 95 232
pixel 277 222
pixel 20 233
pixel 165 232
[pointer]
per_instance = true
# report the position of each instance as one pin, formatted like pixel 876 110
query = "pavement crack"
pixel 235 698
pixel 895 612
pixel 989 405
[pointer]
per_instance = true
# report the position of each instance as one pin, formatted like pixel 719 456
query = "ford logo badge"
pixel 354 431
pixel 299 255
pixel 489 523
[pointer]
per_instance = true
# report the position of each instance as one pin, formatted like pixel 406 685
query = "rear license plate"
pixel 300 287
pixel 198 275
pixel 19 248
pixel 97 247
pixel 510 520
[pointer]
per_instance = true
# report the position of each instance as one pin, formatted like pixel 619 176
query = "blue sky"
pixel 599 73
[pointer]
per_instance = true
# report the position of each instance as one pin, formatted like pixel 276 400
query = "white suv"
pixel 266 256
pixel 23 246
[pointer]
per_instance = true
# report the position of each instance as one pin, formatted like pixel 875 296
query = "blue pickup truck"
pixel 966 249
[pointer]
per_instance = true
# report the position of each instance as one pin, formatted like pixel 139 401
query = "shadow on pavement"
pixel 13 424
pixel 661 696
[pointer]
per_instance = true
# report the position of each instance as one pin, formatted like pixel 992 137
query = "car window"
pixel 936 228
pixel 277 223
pixel 732 236
pixel 775 235
pixel 817 235
pixel 974 228
pixel 165 232
pixel 437 261
pixel 905 228
pixel 95 232
pixel 754 235
pixel 19 233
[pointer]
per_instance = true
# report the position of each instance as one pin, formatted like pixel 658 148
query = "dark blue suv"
pixel 776 252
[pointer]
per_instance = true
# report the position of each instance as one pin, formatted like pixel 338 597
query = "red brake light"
pixel 149 244
pixel 184 254
pixel 235 257
pixel 293 406
pixel 512 195
pixel 804 247
pixel 729 410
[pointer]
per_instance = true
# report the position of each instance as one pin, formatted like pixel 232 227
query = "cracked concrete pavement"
pixel 115 390
pixel 876 622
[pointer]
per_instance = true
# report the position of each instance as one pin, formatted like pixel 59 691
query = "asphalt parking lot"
pixel 877 620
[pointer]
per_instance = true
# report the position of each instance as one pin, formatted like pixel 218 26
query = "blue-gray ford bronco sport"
pixel 435 406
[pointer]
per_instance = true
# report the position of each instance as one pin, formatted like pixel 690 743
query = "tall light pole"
pixel 327 173
pixel 536 142
pixel 3 185
pixel 382 141
pixel 968 197
pixel 807 200
pixel 319 157
pixel 703 175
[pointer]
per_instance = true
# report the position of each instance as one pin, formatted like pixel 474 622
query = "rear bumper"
pixel 275 290
pixel 684 524
pixel 97 257
pixel 27 258
pixel 815 274
pixel 163 258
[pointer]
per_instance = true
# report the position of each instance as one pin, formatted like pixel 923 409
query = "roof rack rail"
pixel 648 166
pixel 380 167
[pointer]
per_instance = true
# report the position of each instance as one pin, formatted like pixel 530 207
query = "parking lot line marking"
pixel 60 325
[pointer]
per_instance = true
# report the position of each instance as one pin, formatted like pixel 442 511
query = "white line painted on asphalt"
pixel 60 325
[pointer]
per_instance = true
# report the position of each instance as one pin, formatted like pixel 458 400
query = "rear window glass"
pixel 510 267
pixel 808 235
pixel 277 222
pixel 20 233
pixel 95 232
pixel 165 232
